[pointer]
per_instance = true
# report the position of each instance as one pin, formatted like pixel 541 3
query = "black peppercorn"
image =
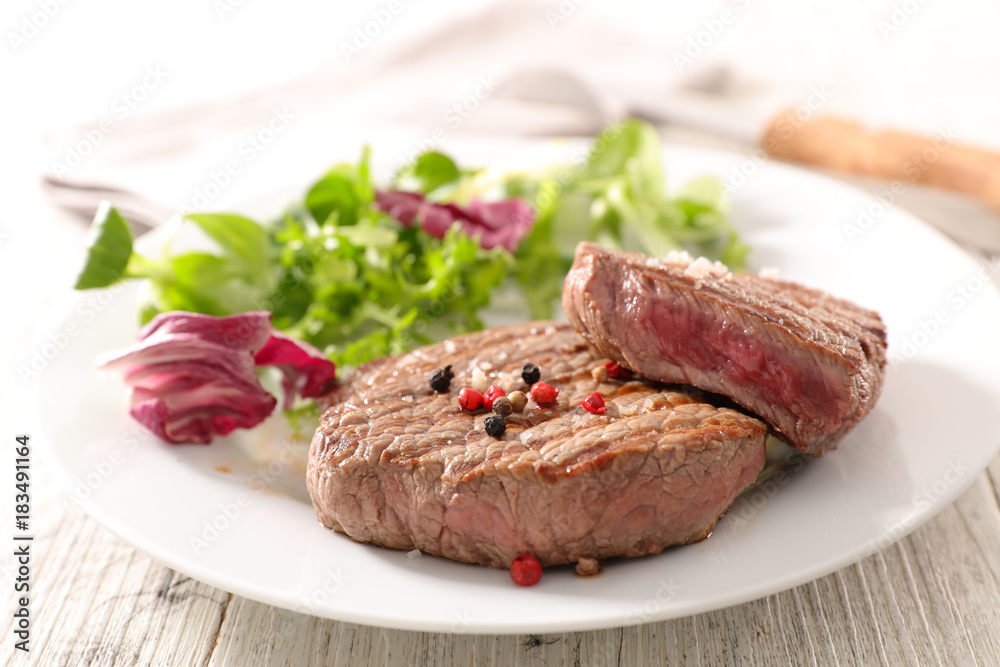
pixel 495 426
pixel 531 374
pixel 441 379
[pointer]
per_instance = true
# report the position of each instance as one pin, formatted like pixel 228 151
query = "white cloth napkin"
pixel 515 68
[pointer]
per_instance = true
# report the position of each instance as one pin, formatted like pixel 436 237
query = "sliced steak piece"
pixel 398 465
pixel 809 364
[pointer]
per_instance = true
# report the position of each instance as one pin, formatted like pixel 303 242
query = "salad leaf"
pixel 340 195
pixel 242 239
pixel 496 223
pixel 540 267
pixel 629 150
pixel 618 198
pixel 193 376
pixel 430 171
pixel 109 247
pixel 305 370
pixel 358 272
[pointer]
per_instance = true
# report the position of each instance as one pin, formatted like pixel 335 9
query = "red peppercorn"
pixel 594 403
pixel 525 570
pixel 543 393
pixel 470 399
pixel 494 392
pixel 616 372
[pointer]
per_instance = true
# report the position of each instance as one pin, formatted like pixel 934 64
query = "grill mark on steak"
pixel 396 464
pixel 809 364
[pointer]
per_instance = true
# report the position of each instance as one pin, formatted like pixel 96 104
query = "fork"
pixel 82 198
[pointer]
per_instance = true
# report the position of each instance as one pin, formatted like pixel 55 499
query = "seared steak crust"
pixel 809 364
pixel 395 464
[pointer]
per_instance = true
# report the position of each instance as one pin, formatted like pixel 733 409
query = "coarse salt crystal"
pixel 449 347
pixel 681 257
pixel 509 381
pixel 407 399
pixel 630 411
pixel 413 554
pixel 770 272
pixel 478 379
pixel 703 268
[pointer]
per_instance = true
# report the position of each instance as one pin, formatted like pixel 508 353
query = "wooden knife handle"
pixel 847 146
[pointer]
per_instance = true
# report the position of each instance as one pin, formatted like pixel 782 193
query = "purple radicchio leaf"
pixel 307 372
pixel 193 376
pixel 502 223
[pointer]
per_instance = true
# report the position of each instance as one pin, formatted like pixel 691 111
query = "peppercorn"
pixel 494 392
pixel 543 393
pixel 470 398
pixel 531 374
pixel 517 400
pixel 526 570
pixel 594 404
pixel 495 426
pixel 441 379
pixel 503 406
pixel 600 374
pixel 616 372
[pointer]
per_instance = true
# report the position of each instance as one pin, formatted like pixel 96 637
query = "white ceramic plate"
pixel 931 433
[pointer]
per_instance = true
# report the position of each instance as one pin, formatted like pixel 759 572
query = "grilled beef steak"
pixel 397 464
pixel 809 364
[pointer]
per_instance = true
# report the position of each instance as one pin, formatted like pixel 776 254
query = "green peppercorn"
pixel 495 426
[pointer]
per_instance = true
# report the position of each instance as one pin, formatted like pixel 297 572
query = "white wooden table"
pixel 933 598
